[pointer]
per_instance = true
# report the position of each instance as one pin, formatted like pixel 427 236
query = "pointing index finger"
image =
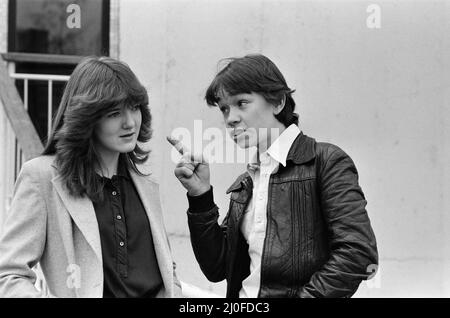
pixel 177 144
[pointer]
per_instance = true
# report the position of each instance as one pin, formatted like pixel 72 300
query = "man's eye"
pixel 224 109
pixel 242 103
pixel 114 114
pixel 135 108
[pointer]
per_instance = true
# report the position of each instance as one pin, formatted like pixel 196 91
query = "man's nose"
pixel 232 118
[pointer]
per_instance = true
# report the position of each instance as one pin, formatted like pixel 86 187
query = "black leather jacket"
pixel 319 241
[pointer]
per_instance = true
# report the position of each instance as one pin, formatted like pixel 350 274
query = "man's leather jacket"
pixel 319 241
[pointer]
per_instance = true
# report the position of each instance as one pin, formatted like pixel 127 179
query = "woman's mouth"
pixel 127 135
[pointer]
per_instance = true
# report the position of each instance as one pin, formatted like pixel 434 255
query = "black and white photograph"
pixel 223 149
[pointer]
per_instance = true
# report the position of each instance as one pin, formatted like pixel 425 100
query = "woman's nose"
pixel 128 120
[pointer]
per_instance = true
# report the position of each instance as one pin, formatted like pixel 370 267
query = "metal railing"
pixel 26 78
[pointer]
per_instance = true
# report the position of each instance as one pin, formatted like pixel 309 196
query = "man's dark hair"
pixel 254 73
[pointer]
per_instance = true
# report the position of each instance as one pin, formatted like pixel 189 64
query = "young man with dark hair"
pixel 297 224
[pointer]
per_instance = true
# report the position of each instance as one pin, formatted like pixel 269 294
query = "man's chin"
pixel 244 143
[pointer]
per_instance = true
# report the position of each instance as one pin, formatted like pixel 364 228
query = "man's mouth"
pixel 237 132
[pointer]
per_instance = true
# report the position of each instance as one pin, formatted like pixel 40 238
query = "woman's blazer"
pixel 48 226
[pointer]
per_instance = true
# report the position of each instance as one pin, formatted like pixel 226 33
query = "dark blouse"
pixel 130 267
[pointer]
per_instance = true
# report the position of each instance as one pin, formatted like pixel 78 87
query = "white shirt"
pixel 255 219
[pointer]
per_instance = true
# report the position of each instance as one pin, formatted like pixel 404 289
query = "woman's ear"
pixel 278 108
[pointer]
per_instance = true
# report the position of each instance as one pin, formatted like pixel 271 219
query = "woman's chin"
pixel 128 148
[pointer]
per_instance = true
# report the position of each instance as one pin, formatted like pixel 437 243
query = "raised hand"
pixel 192 170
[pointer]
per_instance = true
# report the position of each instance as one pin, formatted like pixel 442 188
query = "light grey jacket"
pixel 48 226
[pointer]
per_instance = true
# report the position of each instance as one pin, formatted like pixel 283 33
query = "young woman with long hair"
pixel 84 211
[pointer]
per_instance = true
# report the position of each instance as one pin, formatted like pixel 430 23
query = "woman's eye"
pixel 135 108
pixel 224 109
pixel 242 103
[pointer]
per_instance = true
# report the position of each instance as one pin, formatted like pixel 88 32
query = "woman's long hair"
pixel 96 85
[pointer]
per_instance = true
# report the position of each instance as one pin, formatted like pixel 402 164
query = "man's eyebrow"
pixel 241 95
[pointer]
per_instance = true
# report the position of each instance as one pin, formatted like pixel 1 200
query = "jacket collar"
pixel 82 212
pixel 148 191
pixel 302 151
pixel 82 209
pixel 243 180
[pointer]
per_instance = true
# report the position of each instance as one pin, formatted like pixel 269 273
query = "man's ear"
pixel 278 108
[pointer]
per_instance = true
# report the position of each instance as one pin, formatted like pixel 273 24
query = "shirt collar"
pixel 280 147
pixel 303 150
pixel 122 169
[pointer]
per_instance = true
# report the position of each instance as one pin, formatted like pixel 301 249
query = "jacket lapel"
pixel 302 150
pixel 149 194
pixel 83 214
